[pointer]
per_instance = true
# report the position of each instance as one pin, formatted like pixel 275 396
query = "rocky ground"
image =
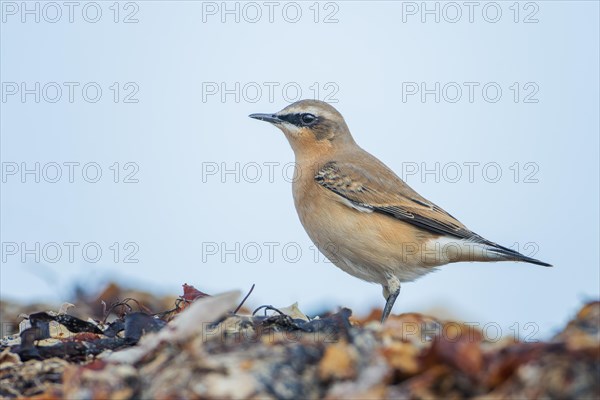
pixel 200 346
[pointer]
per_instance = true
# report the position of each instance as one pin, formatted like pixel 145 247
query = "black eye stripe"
pixel 296 119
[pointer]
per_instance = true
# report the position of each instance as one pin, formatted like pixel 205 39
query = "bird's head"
pixel 310 125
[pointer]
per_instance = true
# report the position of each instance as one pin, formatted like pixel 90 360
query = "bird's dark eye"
pixel 307 119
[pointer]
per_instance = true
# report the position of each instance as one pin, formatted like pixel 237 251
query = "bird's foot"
pixel 389 304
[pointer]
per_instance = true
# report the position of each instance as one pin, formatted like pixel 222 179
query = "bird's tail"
pixel 506 254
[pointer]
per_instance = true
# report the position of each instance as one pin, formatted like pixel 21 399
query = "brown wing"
pixel 388 194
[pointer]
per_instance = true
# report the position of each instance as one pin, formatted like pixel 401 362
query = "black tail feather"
pixel 515 255
pixel 509 254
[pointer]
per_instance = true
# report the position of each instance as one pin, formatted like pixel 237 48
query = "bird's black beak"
pixel 272 118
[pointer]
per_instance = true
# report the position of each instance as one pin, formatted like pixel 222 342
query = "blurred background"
pixel 128 156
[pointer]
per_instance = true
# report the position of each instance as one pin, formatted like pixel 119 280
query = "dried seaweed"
pixel 212 348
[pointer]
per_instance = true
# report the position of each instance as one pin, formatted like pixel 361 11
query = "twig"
pixel 244 299
pixel 266 307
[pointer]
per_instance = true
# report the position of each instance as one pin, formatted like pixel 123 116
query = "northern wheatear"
pixel 361 215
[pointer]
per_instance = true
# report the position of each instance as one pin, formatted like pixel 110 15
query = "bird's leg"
pixel 390 292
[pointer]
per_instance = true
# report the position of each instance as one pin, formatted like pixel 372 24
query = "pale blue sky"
pixel 181 137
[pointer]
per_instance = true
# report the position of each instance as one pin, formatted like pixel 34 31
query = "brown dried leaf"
pixel 338 362
pixel 458 346
pixel 190 293
pixel 403 357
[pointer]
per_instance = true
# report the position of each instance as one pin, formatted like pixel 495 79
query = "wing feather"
pixel 388 195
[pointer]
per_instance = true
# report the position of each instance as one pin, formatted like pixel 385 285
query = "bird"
pixel 361 215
